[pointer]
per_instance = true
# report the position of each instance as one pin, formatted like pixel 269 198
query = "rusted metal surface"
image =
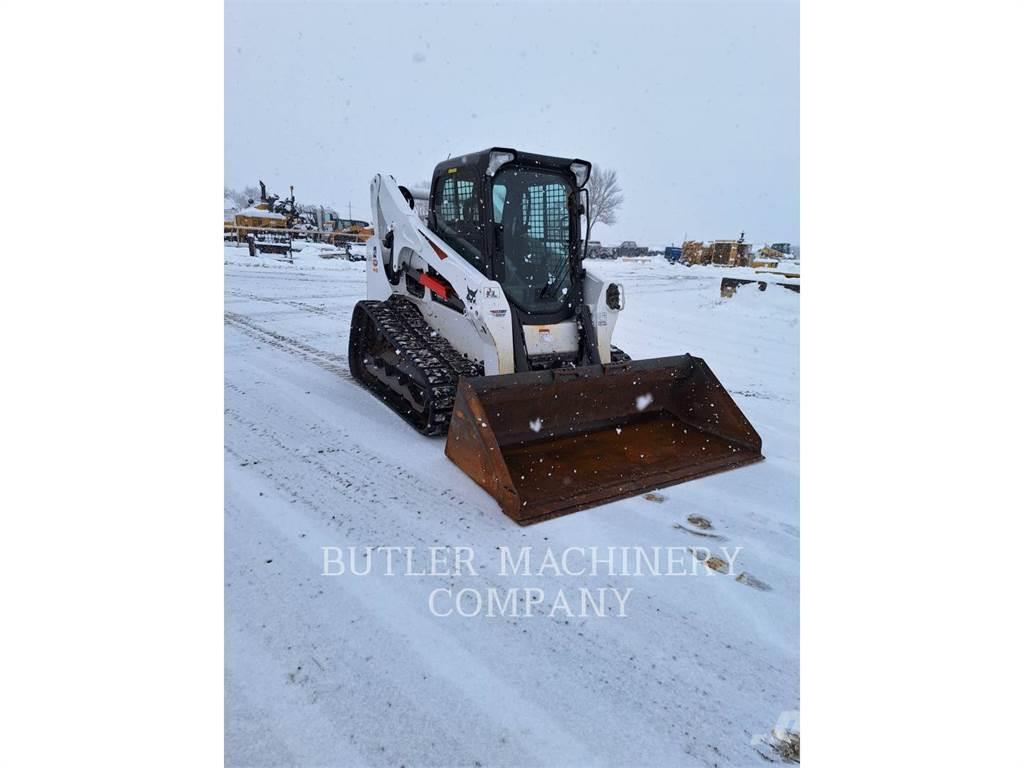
pixel 548 443
pixel 730 284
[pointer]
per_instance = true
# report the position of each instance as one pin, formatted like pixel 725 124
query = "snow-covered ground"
pixel 356 670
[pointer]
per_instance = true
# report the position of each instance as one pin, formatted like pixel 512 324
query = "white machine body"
pixel 484 331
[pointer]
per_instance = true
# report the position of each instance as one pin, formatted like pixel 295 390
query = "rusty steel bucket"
pixel 547 443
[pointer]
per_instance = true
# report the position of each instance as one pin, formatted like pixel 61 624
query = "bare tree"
pixel 242 198
pixel 605 196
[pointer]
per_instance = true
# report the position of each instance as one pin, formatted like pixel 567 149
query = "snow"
pixel 305 255
pixel 356 670
pixel 307 248
pixel 259 212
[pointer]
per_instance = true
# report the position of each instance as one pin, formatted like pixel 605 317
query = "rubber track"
pixel 401 323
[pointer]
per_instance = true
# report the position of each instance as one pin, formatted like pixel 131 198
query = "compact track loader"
pixel 482 322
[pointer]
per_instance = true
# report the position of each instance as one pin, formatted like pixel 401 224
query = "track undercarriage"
pixel 398 356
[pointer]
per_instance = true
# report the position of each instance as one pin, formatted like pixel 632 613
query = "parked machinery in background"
pixel 360 230
pixel 724 253
pixel 630 250
pixel 776 252
pixel 597 251
pixel 693 252
pixel 728 253
pixel 266 225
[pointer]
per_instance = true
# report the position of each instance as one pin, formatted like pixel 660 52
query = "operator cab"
pixel 516 217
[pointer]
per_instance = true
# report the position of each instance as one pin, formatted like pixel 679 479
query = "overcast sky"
pixel 696 105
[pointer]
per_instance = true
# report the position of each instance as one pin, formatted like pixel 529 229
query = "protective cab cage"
pixel 478 171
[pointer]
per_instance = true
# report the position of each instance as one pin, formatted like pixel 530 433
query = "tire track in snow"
pixel 336 364
pixel 463 685
pixel 310 308
pixel 282 274
pixel 602 651
pixel 309 738
pixel 334 663
pixel 385 482
pixel 348 478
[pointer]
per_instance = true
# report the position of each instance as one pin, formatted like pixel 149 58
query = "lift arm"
pixel 408 247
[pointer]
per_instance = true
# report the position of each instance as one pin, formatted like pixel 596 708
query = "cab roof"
pixel 476 163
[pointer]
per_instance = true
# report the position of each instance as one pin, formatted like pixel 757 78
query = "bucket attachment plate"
pixel 547 443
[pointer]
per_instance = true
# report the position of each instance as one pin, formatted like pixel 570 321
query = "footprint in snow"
pixel 752 581
pixel 702 534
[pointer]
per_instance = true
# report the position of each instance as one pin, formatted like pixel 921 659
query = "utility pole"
pixel 350 210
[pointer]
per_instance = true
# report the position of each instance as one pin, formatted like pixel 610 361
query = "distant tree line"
pixel 241 198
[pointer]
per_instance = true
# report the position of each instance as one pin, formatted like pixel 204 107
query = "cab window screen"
pixel 459 218
pixel 533 239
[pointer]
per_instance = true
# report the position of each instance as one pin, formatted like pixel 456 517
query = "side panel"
pixel 460 332
pixel 490 311
pixel 594 295
pixel 483 333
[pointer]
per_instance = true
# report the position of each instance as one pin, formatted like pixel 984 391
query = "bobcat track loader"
pixel 482 322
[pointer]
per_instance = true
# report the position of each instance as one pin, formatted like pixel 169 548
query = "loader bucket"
pixel 547 443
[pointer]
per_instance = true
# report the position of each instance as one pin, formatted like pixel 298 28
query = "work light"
pixel 497 159
pixel 582 171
